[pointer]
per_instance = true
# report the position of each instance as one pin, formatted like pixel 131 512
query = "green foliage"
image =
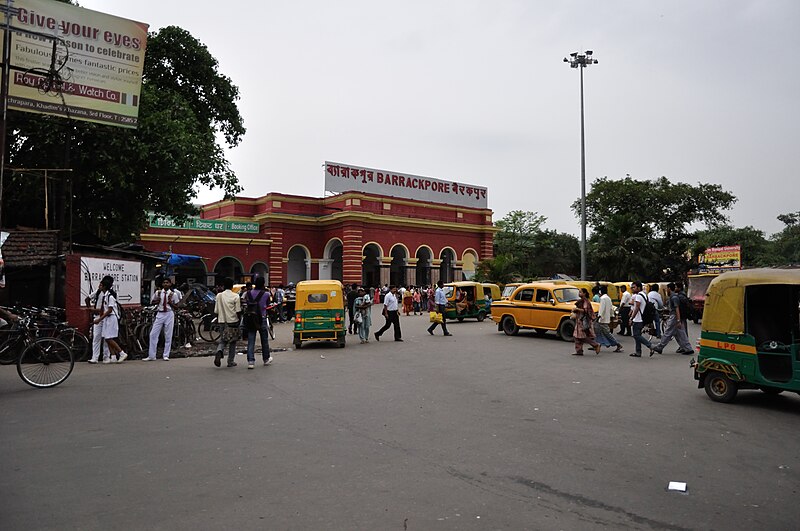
pixel 640 229
pixel 517 232
pixel 120 174
pixel 787 242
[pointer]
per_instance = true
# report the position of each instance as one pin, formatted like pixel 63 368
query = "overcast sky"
pixel 476 91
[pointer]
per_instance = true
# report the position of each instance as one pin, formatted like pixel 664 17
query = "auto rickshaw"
pixel 750 335
pixel 509 288
pixel 464 299
pixel 319 312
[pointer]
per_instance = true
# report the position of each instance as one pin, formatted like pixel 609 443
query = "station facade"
pixel 356 237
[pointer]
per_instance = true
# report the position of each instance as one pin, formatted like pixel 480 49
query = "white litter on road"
pixel 677 486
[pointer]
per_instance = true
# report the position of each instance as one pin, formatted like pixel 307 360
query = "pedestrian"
pixel 488 302
pixel 408 301
pixel 391 313
pixel 351 296
pixel 440 300
pixel 639 300
pixel 109 320
pixel 98 344
pixel 165 300
pixel 376 296
pixel 655 297
pixel 228 307
pixel 625 312
pixel 283 310
pixel 363 308
pixel 256 320
pixel 584 323
pixel 604 317
pixel 417 299
pixel 676 324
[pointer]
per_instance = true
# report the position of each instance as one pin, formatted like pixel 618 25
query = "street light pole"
pixel 581 61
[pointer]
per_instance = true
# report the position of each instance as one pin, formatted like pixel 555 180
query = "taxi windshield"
pixel 566 294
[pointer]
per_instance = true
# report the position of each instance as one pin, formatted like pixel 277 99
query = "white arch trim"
pixel 330 246
pixel 305 249
pixel 408 255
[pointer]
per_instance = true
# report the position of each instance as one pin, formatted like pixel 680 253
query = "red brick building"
pixel 355 237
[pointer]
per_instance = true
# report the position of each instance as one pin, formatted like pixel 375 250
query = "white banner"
pixel 349 178
pixel 127 275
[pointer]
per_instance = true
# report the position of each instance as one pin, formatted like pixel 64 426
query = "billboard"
pixel 720 259
pixel 99 57
pixel 349 178
pixel 127 275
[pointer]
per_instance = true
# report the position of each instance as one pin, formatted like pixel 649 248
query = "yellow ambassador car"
pixel 540 306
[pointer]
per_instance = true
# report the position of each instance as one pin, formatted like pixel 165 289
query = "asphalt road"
pixel 474 431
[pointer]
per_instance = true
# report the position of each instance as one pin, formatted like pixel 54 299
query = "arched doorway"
pixel 194 272
pixel 424 256
pixel 260 269
pixel 397 271
pixel 447 267
pixel 330 267
pixel 371 265
pixel 299 262
pixel 229 267
pixel 469 263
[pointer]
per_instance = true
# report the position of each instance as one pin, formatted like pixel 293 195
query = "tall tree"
pixel 640 229
pixel 787 242
pixel 120 174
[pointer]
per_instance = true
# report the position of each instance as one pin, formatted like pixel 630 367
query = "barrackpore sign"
pixel 348 178
pixel 164 222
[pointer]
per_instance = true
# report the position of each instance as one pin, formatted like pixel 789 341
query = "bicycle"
pixel 43 361
pixel 209 329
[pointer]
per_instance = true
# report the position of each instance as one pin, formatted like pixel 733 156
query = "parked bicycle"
pixel 41 361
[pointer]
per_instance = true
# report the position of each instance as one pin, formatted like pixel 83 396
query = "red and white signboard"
pixel 349 178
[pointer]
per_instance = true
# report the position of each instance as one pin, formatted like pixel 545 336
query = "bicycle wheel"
pixel 45 363
pixel 77 342
pixel 209 329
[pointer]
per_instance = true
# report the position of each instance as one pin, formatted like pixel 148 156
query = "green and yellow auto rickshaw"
pixel 750 335
pixel 465 299
pixel 319 312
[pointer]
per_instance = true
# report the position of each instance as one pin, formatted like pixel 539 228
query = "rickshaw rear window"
pixel 316 298
pixel 448 291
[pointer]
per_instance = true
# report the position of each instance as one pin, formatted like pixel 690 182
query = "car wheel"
pixel 481 317
pixel 719 387
pixel 566 329
pixel 509 326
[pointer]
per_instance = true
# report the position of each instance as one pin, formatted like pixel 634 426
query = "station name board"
pixel 348 178
pixel 217 225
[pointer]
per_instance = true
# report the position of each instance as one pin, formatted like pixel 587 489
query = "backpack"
pixel 252 314
pixel 685 307
pixel 648 310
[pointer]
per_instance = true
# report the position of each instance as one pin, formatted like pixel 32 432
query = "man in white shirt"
pixel 655 297
pixel 604 320
pixel 390 311
pixel 228 308
pixel 165 300
pixel 441 306
pixel 625 312
pixel 639 300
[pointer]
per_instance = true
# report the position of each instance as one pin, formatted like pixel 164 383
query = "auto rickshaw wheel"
pixel 774 391
pixel 509 326
pixel 341 341
pixel 719 387
pixel 566 329
pixel 481 316
pixel 297 343
pixel 460 318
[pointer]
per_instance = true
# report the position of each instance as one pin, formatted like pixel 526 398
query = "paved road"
pixel 475 431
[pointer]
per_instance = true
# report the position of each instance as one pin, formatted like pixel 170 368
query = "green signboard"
pixel 216 225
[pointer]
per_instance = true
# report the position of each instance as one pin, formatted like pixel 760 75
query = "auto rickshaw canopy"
pixel 725 305
pixel 319 293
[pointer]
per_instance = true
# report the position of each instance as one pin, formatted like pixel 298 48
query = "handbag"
pixel 358 318
pixel 230 334
pixel 435 317
pixel 586 323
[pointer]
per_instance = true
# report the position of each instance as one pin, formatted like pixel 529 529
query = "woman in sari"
pixel 584 324
pixel 408 301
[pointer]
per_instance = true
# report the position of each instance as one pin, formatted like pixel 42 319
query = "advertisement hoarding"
pixel 349 178
pixel 720 259
pixel 127 275
pixel 102 57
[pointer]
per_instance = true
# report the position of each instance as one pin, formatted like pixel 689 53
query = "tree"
pixel 787 242
pixel 517 232
pixel 121 174
pixel 640 228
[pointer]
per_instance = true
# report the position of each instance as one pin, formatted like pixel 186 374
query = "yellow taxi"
pixel 540 306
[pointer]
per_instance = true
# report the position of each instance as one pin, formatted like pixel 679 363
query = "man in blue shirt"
pixel 441 305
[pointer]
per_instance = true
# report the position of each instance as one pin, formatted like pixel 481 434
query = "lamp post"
pixel 581 61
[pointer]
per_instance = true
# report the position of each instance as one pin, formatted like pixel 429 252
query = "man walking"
pixel 390 311
pixel 639 301
pixel 228 307
pixel 676 325
pixel 165 300
pixel 655 297
pixel 625 312
pixel 441 305
pixel 604 320
pixel 352 294
pixel 256 302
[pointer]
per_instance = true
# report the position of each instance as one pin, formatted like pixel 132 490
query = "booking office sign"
pixel 98 61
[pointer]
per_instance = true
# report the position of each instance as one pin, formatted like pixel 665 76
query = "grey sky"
pixel 476 91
